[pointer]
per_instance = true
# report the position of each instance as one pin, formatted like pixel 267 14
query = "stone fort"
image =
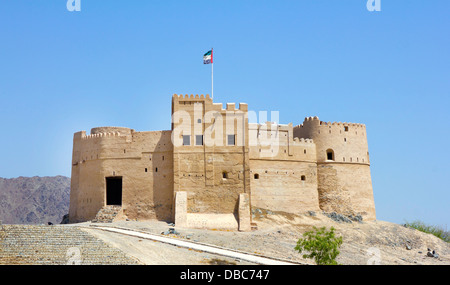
pixel 213 167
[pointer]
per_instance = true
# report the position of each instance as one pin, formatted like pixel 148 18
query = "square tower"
pixel 210 154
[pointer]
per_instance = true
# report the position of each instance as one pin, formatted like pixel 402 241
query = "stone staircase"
pixel 56 245
pixel 107 214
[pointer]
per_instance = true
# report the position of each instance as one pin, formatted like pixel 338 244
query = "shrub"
pixel 434 230
pixel 321 244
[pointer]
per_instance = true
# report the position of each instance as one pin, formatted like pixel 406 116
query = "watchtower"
pixel 343 166
pixel 210 160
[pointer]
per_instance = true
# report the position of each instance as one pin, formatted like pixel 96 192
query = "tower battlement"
pixel 316 120
pixel 303 140
pixel 190 99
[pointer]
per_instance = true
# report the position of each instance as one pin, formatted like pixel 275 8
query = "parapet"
pixel 217 106
pixel 191 97
pixel 103 130
pixel 303 140
pixel 342 124
pixel 315 120
pixel 107 132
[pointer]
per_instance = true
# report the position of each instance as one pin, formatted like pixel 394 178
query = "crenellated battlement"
pixel 317 121
pixel 342 124
pixel 101 135
pixel 189 99
pixel 303 140
pixel 102 132
pixel 315 118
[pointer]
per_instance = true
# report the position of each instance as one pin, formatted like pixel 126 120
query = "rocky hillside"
pixel 34 200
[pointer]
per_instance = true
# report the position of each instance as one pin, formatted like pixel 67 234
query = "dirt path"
pixel 369 242
pixel 151 252
pixel 112 234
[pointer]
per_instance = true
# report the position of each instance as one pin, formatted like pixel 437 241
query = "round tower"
pixel 343 166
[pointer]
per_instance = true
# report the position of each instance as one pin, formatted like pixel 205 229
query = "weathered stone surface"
pixel 244 213
pixel 56 245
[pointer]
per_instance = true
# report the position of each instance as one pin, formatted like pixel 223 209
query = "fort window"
pixel 199 121
pixel 224 175
pixel 114 191
pixel 303 177
pixel 346 128
pixel 304 151
pixel 163 157
pixel 343 159
pixel 146 170
pixel 186 140
pixel 231 139
pixel 330 154
pixel 256 176
pixel 345 139
pixel 199 140
pixel 156 169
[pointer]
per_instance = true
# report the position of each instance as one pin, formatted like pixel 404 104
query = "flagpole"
pixel 212 74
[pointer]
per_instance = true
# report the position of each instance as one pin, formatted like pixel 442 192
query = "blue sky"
pixel 117 63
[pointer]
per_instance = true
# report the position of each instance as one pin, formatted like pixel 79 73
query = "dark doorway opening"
pixel 114 191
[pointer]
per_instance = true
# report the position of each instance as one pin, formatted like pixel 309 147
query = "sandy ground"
pixel 369 242
pixel 151 252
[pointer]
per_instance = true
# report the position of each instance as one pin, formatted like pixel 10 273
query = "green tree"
pixel 322 246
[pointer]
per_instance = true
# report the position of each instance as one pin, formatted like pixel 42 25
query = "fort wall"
pixel 283 169
pixel 346 189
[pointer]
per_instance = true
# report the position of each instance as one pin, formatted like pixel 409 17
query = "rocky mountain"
pixel 34 200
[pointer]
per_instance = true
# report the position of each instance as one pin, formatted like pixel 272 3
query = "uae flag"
pixel 208 57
